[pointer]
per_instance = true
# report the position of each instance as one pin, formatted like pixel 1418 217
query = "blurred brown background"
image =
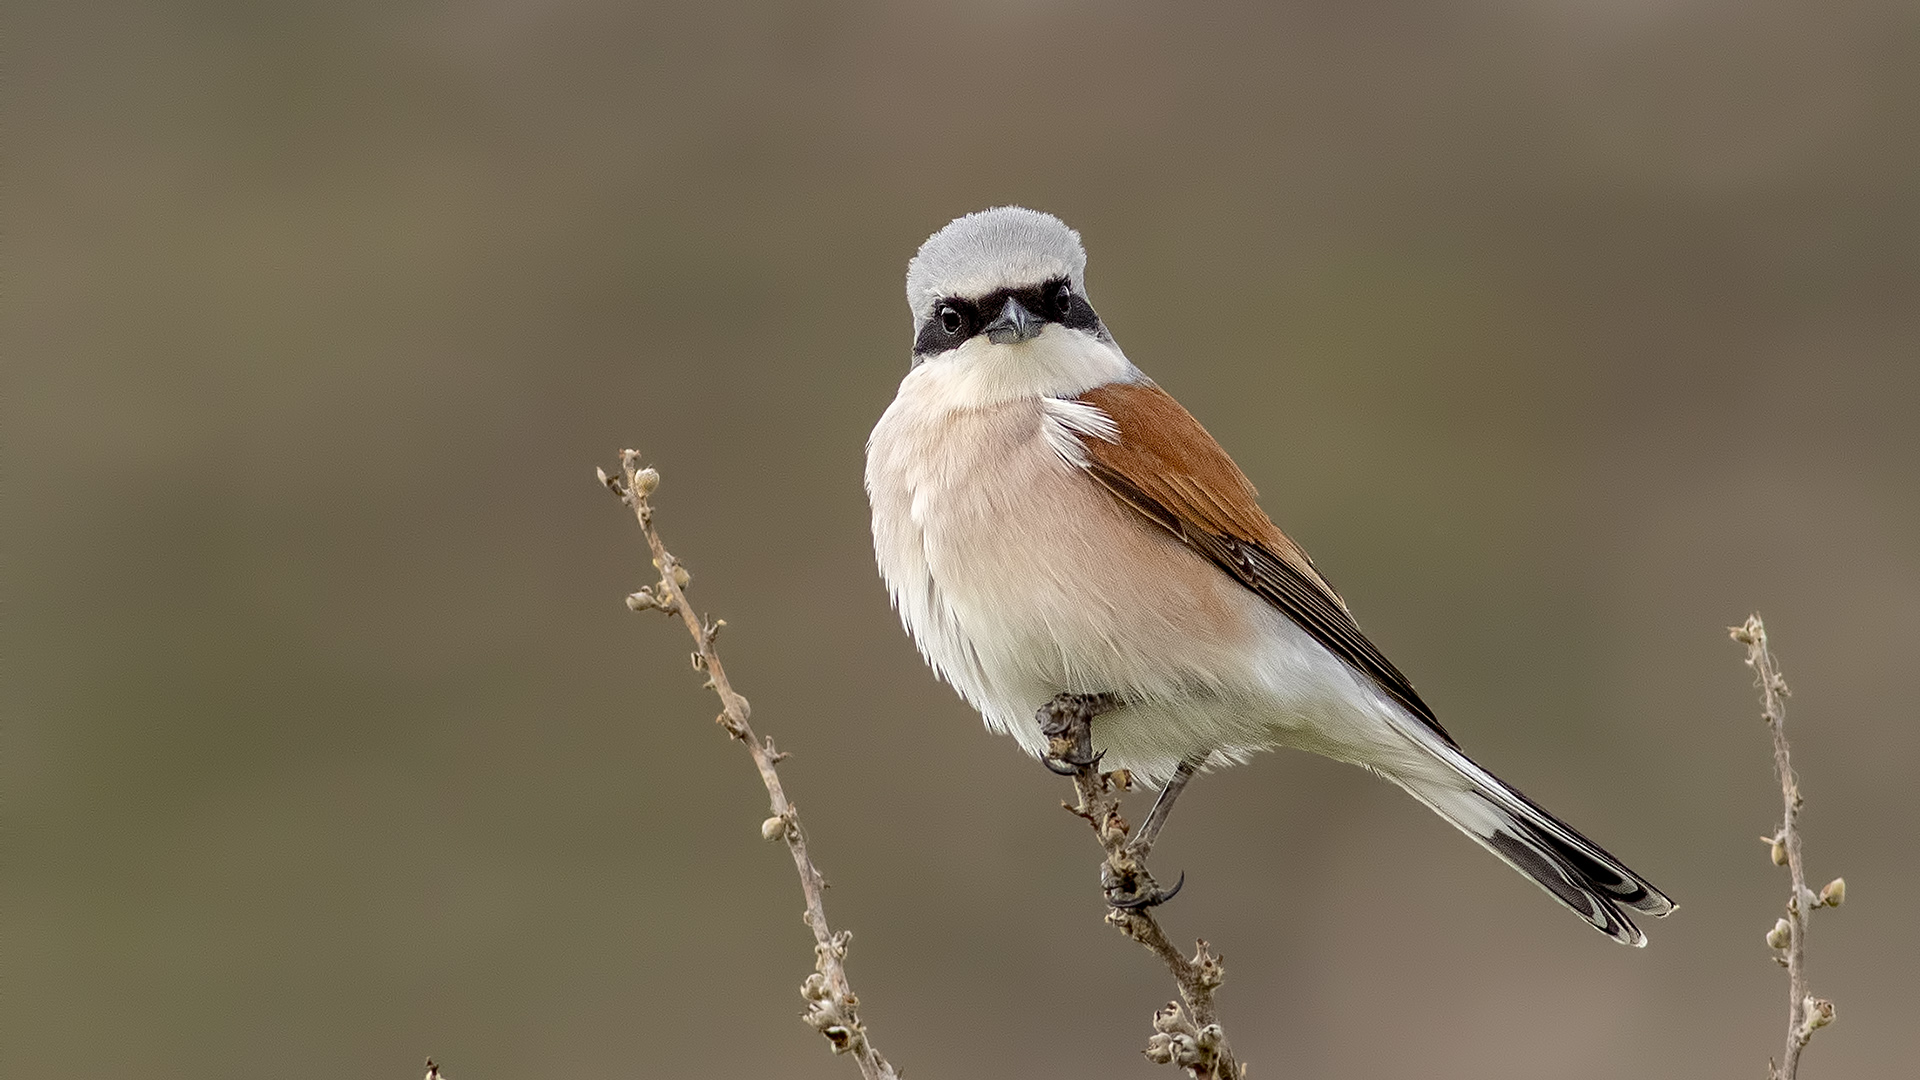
pixel 1564 333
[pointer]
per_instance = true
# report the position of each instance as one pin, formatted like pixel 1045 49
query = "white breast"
pixel 1020 577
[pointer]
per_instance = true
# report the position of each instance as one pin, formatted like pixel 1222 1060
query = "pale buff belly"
pixel 1020 577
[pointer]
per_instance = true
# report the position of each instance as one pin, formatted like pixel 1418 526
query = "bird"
pixel 1053 526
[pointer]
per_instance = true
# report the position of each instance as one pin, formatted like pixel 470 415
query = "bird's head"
pixel 999 279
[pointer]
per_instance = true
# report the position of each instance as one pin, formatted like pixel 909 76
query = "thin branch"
pixel 1805 1013
pixel 831 1003
pixel 1191 1039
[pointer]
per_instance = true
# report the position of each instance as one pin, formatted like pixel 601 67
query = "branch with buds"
pixel 831 1003
pixel 1189 1038
pixel 1806 1014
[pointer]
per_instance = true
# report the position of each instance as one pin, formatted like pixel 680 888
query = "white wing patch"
pixel 1064 421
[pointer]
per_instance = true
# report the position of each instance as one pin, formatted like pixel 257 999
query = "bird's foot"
pixel 1129 886
pixel 1067 722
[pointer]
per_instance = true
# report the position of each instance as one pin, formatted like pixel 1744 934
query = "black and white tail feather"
pixel 1572 869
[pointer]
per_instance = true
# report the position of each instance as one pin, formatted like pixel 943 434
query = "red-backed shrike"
pixel 1050 522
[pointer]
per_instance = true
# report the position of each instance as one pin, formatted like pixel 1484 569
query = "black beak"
pixel 1015 323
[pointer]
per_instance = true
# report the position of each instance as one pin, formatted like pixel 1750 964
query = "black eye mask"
pixel 971 316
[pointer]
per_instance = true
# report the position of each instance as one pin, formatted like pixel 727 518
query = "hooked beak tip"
pixel 1014 324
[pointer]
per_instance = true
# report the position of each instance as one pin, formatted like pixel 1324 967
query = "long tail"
pixel 1572 869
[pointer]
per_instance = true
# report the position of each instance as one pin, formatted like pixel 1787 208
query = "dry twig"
pixel 1192 1038
pixel 1805 1013
pixel 831 1003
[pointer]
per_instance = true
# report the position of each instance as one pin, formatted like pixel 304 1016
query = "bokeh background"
pixel 1563 333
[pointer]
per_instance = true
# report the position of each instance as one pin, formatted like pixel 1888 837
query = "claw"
pixel 1153 897
pixel 1069 765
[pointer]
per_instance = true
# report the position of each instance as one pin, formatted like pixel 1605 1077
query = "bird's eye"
pixel 950 319
pixel 1063 299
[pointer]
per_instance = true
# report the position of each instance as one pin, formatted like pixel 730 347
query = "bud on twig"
pixel 1819 1014
pixel 1834 894
pixel 1780 934
pixel 646 599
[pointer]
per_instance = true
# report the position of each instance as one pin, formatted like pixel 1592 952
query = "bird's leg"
pixel 1124 877
pixel 1142 843
pixel 1067 722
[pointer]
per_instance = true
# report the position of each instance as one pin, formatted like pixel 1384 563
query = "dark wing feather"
pixel 1166 466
